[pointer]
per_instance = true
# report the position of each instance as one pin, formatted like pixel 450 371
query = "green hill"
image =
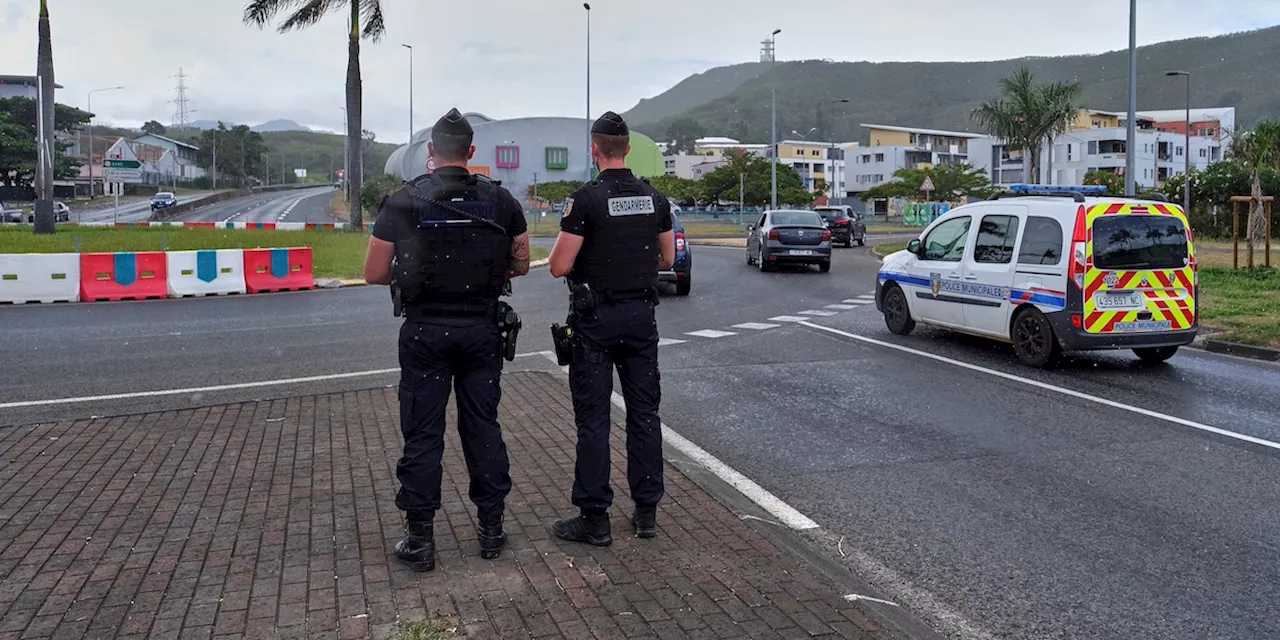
pixel 1236 70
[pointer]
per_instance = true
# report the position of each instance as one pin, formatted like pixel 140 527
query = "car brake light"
pixel 1077 321
pixel 826 234
pixel 679 241
pixel 842 223
pixel 1078 239
pixel 774 234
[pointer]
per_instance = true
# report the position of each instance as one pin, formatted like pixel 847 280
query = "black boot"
pixel 645 520
pixel 491 536
pixel 591 529
pixel 418 547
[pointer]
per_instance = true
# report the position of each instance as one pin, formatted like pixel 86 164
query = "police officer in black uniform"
pixel 450 241
pixel 615 236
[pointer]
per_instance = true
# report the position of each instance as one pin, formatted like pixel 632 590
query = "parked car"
pixel 163 200
pixel 10 215
pixel 61 212
pixel 789 237
pixel 846 225
pixel 681 273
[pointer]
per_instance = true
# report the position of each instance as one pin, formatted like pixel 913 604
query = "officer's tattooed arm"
pixel 519 256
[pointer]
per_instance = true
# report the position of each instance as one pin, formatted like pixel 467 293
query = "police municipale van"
pixel 1051 268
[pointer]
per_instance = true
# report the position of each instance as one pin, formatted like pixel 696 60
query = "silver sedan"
pixel 789 237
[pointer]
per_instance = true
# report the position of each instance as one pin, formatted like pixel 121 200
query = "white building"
pixel 893 148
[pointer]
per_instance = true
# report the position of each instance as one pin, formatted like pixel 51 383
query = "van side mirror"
pixel 914 247
pixel 751 227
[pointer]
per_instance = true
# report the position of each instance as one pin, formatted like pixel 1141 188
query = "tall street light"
pixel 1131 142
pixel 346 158
pixel 89 107
pixel 1186 182
pixel 410 48
pixel 587 6
pixel 773 128
pixel 834 177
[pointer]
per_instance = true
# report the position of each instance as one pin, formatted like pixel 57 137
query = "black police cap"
pixel 610 124
pixel 453 123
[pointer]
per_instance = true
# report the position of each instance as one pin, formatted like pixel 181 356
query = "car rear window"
pixel 1139 242
pixel 796 218
pixel 831 214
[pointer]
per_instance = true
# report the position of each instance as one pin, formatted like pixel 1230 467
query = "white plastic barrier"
pixel 290 226
pixel 203 273
pixel 39 277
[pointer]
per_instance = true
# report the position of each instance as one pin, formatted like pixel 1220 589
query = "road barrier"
pixel 278 270
pixel 46 277
pixel 203 273
pixel 261 226
pixel 123 276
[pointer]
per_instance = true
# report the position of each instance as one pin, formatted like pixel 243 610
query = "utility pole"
pixel 410 48
pixel 773 128
pixel 1130 159
pixel 742 195
pixel 215 159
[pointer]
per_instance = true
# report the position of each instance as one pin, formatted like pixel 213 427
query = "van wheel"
pixel 1155 354
pixel 1033 339
pixel 897 315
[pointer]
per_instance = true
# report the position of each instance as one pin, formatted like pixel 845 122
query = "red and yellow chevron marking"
pixel 1169 293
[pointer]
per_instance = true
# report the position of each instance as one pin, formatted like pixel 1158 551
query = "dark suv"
pixel 846 225
pixel 163 200
pixel 681 273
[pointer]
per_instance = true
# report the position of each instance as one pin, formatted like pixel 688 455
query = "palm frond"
pixel 261 12
pixel 375 25
pixel 308 14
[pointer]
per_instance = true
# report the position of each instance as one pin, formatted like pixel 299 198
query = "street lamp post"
pixel 410 48
pixel 587 6
pixel 773 128
pixel 1131 141
pixel 834 177
pixel 346 156
pixel 89 107
pixel 1186 151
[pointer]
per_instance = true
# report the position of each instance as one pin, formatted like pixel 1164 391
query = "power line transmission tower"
pixel 766 50
pixel 182 104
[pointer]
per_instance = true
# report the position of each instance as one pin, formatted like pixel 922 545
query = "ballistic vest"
pixel 620 250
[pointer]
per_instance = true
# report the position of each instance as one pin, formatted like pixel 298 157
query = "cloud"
pixel 527 57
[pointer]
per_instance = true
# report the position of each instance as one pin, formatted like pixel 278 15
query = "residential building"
pixel 893 148
pixel 717 147
pixel 181 149
pixel 1218 123
pixel 521 151
pixel 21 87
pixel 691 167
pixel 816 162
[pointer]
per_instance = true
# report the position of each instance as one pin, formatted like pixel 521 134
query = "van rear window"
pixel 1139 242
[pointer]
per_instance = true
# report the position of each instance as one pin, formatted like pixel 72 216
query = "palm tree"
pixel 309 12
pixel 1027 115
pixel 1258 148
pixel 44 176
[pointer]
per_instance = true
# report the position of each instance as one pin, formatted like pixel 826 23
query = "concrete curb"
pixel 1265 354
pixel 341 283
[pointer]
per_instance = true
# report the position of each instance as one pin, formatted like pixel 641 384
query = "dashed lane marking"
pixel 756 326
pixel 710 333
pixel 664 342
pixel 818 313
pixel 789 319
pixel 868 296
pixel 842 307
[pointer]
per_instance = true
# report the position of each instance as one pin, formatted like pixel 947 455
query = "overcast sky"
pixel 510 58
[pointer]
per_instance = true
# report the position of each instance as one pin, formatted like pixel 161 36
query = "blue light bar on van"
pixel 1033 189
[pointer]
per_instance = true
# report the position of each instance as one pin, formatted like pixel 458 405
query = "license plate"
pixel 1145 325
pixel 1110 300
pixel 801 252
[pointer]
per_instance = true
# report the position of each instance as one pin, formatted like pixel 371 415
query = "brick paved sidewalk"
pixel 275 519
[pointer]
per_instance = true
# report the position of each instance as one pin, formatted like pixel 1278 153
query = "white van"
pixel 1050 268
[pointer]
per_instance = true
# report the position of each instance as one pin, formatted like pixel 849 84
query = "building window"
pixel 508 157
pixel 1093 147
pixel 1204 153
pixel 914 138
pixel 1179 152
pixel 558 158
pixel 879 157
pixel 816 152
pixel 866 158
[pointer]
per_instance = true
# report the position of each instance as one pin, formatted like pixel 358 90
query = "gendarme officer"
pixel 614 238
pixel 456 239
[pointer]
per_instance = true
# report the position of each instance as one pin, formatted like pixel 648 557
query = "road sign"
pixel 928 184
pixel 121 164
pixel 132 176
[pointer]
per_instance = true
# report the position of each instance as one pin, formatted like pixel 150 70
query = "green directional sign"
pixel 121 164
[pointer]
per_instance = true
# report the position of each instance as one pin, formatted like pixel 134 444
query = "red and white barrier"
pixel 204 273
pixel 123 276
pixel 278 270
pixel 39 277
pixel 259 226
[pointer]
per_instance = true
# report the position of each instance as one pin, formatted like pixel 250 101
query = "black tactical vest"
pixel 453 266
pixel 620 250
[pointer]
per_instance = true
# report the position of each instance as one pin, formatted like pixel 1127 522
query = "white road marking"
pixel 710 333
pixel 868 296
pixel 859 301
pixel 289 209
pixel 788 319
pixel 756 326
pixel 854 596
pixel 223 387
pixel 851 300
pixel 818 313
pixel 669 341
pixel 1049 387
pixel 842 307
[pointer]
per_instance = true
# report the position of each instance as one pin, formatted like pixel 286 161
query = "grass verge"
pixel 335 254
pixel 435 629
pixel 885 248
pixel 1243 305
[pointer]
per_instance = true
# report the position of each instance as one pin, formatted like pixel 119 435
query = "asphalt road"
pixel 988 499
pixel 129 212
pixel 301 205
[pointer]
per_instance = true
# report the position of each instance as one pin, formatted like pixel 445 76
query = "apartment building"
pixel 893 148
